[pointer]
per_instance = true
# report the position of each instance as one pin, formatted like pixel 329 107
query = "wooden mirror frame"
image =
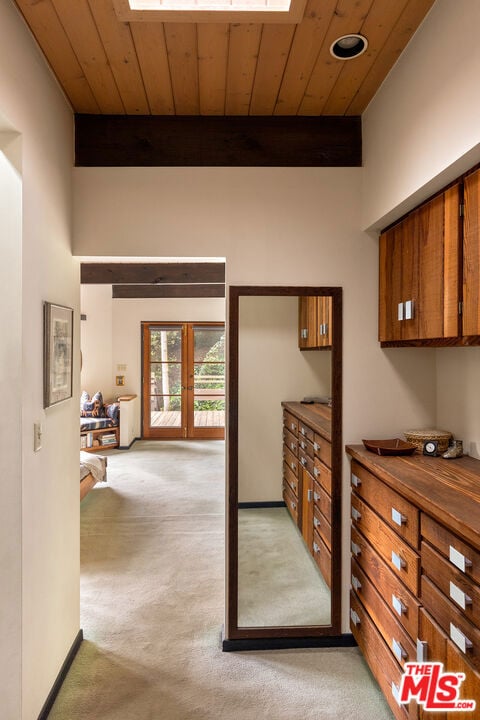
pixel 235 637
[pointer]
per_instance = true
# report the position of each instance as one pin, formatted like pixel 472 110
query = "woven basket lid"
pixel 429 433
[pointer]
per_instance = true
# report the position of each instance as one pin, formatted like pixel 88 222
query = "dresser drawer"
pixel 305 431
pixel 290 460
pixel 306 446
pixel 290 501
pixel 323 475
pixel 305 460
pixel 290 441
pixel 323 449
pixel 459 553
pixel 396 637
pixel 399 556
pixel 452 621
pixel 400 600
pixel 322 500
pixel 459 588
pixel 291 479
pixel 323 527
pixel 397 512
pixel 384 667
pixel 323 558
pixel 290 422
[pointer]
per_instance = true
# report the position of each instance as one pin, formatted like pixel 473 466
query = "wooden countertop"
pixel 447 490
pixel 316 415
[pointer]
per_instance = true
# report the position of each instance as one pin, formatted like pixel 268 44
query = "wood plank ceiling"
pixel 107 66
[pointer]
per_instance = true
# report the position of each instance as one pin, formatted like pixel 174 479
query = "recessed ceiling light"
pixel 348 46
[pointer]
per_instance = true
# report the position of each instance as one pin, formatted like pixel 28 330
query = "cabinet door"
pixel 471 256
pixel 324 323
pixel 307 322
pixel 419 273
pixel 397 281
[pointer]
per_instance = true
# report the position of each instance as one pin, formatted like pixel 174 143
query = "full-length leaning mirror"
pixel 284 464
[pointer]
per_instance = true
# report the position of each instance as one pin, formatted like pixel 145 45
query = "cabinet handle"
pixel 354 617
pixel 409 309
pixel 303 445
pixel 459 560
pixel 316 549
pixel 294 466
pixel 460 640
pixel 356 515
pixel 316 496
pixel 396 693
pixel 302 430
pixel 356 482
pixel 316 446
pixel 422 650
pixel 303 461
pixel 293 505
pixel 316 521
pixel 316 471
pixel 400 312
pixel 398 650
pixel 398 606
pixel 292 446
pixel 398 518
pixel 293 426
pixel 309 495
pixel 459 596
pixel 356 549
pixel 397 561
pixel 356 584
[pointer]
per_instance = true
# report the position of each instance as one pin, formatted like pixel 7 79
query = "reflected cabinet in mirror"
pixel 284 464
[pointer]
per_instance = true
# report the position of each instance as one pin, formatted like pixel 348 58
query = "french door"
pixel 183 380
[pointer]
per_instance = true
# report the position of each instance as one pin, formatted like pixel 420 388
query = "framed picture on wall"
pixel 57 353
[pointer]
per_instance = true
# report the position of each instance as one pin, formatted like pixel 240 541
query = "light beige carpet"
pixel 152 609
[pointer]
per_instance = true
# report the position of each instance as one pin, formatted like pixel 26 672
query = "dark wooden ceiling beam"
pixel 151 273
pixel 237 141
pixel 197 290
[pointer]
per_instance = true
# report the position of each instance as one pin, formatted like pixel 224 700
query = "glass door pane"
pixel 164 348
pixel 208 377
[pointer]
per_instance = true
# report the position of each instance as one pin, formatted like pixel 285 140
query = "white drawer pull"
pixel 409 309
pixel 356 482
pixel 316 446
pixel 459 596
pixel 398 650
pixel 356 549
pixel 316 496
pixel 316 522
pixel 293 466
pixel 422 650
pixel 303 445
pixel 398 606
pixel 316 549
pixel 356 584
pixel 309 495
pixel 398 518
pixel 396 693
pixel 303 461
pixel 356 515
pixel 400 311
pixel 302 430
pixel 459 560
pixel 459 638
pixel 354 617
pixel 293 506
pixel 397 561
pixel 292 446
pixel 293 426
pixel 316 472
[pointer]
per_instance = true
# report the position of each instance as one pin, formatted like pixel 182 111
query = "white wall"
pixel 271 369
pixel 421 129
pixel 420 132
pixel 45 526
pixel 96 339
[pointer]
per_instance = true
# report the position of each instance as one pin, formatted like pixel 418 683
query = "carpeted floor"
pixel 152 609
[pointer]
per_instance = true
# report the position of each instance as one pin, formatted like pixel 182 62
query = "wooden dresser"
pixel 307 477
pixel 415 573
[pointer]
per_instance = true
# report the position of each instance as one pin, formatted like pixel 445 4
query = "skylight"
pixel 213 11
pixel 212 5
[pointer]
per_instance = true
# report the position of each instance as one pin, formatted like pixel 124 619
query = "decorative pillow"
pixel 93 407
pixel 84 398
pixel 112 411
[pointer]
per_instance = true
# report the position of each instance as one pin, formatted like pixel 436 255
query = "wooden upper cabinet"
pixel 419 288
pixel 314 322
pixel 471 256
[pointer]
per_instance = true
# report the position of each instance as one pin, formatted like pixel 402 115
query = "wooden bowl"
pixel 394 446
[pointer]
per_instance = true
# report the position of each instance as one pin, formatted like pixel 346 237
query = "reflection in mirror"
pixel 284 463
pixel 279 582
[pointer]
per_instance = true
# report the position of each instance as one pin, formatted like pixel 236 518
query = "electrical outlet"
pixel 37 437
